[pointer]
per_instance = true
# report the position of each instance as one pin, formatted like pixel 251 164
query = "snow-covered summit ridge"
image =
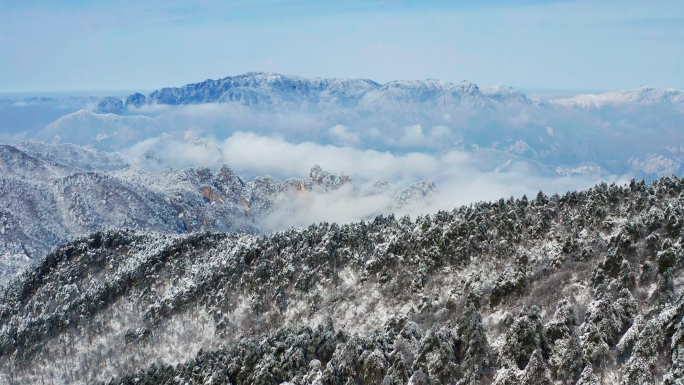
pixel 263 88
pixel 642 95
pixel 267 88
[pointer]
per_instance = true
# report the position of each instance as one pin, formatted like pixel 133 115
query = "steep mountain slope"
pixel 52 193
pixel 583 288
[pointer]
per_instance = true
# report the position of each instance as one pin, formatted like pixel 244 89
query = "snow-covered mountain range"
pixel 640 95
pixel 583 288
pixel 52 193
pixel 634 132
pixel 269 89
pixel 272 89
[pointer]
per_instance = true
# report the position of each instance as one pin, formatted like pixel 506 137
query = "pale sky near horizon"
pixel 64 45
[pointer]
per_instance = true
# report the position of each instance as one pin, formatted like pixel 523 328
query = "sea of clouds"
pixel 455 172
pixel 400 151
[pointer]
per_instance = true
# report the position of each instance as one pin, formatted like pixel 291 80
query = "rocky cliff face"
pixel 583 288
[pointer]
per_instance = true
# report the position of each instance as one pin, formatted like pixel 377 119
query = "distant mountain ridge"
pixel 116 131
pixel 267 88
pixel 643 94
pixel 607 134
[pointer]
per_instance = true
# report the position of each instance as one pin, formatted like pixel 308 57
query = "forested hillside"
pixel 53 193
pixel 583 288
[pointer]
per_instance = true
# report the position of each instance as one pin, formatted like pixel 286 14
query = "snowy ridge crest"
pixel 641 95
pixel 271 89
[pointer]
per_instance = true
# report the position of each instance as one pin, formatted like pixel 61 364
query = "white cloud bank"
pixel 341 136
pixel 459 181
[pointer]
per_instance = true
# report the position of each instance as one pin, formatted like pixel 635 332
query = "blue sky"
pixel 61 45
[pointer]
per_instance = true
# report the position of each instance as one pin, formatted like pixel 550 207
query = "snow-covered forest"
pixel 580 288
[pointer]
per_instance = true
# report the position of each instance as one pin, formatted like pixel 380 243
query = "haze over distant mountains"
pixel 634 132
pixel 272 128
pixel 643 95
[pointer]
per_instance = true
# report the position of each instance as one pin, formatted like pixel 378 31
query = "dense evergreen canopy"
pixel 581 288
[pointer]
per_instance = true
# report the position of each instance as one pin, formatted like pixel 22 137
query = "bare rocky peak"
pixel 230 179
